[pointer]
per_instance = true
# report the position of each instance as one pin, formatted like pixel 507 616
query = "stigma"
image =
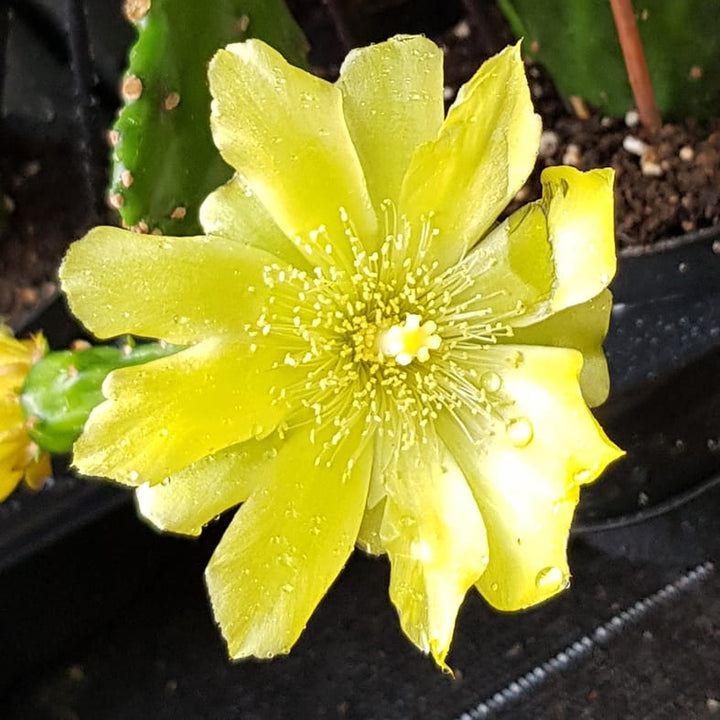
pixel 410 341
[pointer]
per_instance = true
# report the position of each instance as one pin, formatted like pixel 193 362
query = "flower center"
pixel 408 342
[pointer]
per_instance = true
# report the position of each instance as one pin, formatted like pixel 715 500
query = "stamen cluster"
pixel 382 335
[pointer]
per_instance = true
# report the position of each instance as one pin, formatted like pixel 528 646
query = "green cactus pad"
pixel 164 162
pixel 577 43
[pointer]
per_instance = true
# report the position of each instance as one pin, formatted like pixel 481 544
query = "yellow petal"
pixel 548 255
pixel 38 470
pixel 234 212
pixel 436 541
pixel 484 153
pixel 582 327
pixel 525 471
pixel 198 493
pixel 284 131
pixel 178 289
pixel 11 467
pixel 511 270
pixel 166 414
pixel 288 542
pixel 579 208
pixel 14 351
pixel 369 533
pixel 393 102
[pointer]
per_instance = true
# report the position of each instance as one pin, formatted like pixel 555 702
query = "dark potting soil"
pixel 666 184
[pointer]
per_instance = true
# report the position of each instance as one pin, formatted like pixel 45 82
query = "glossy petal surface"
pixel 199 492
pixel 527 470
pixel 165 415
pixel 393 102
pixel 511 272
pixel 582 327
pixel 484 153
pixel 579 208
pixel 435 539
pixel 548 255
pixel 284 131
pixel 178 289
pixel 287 544
pixel 234 212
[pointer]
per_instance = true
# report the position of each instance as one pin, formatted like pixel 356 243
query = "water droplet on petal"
pixel 550 579
pixel 520 432
pixel 288 588
pixel 494 587
pixel 583 476
pixel 491 382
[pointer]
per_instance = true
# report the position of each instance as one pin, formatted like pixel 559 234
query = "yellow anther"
pixel 408 342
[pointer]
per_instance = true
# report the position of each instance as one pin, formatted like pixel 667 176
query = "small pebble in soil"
pixel 686 153
pixel 632 118
pixel 649 164
pixel 634 145
pixel 549 143
pixel 572 155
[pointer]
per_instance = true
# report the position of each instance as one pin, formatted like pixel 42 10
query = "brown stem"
pixel 635 63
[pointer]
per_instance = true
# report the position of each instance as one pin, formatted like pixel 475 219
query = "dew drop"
pixel 491 382
pixel 550 579
pixel 494 587
pixel 520 432
pixel 133 475
pixel 582 476
pixel 288 588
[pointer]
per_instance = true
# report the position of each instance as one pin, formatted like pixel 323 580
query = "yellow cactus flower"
pixel 371 357
pixel 20 458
